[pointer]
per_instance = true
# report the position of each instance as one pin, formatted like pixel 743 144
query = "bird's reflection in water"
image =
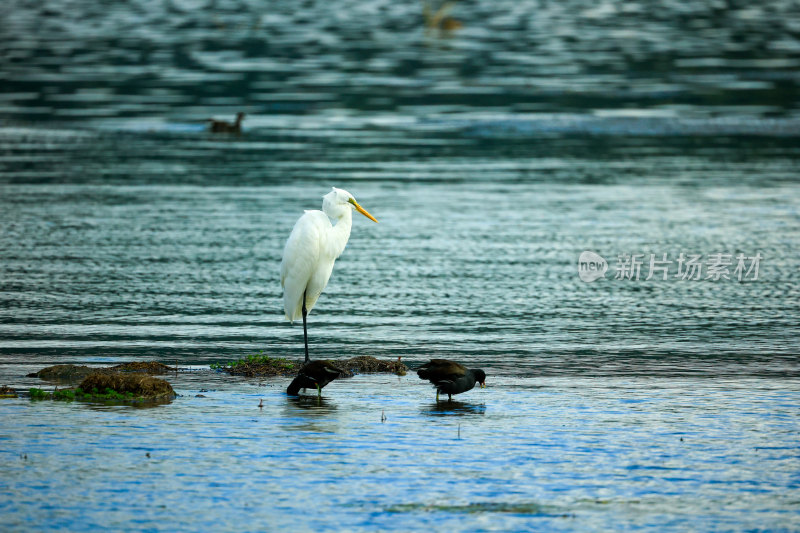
pixel 454 408
pixel 311 404
pixel 310 414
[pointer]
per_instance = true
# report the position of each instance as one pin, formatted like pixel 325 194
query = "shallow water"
pixel 524 453
pixel 493 156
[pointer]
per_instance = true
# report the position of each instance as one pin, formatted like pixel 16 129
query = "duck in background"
pixel 221 126
pixel 439 21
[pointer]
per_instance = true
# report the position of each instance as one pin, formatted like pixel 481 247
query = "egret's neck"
pixel 342 221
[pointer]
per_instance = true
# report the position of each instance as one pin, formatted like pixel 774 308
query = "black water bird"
pixel 450 377
pixel 313 374
pixel 221 126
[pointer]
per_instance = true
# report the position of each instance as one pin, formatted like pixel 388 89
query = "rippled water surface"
pixel 493 154
pixel 524 453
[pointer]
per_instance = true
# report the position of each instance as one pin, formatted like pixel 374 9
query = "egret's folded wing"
pixel 300 257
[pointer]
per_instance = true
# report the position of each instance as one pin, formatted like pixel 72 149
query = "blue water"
pixel 524 453
pixel 493 156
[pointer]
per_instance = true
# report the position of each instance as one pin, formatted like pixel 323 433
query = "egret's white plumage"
pixel 313 246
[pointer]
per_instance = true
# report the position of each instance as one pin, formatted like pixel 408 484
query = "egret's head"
pixel 338 200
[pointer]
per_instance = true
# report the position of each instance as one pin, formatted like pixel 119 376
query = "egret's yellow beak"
pixel 483 385
pixel 361 210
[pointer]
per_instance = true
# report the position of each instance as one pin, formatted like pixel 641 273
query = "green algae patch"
pixel 95 395
pixel 112 388
pixel 126 387
pixel 259 365
pixel 38 394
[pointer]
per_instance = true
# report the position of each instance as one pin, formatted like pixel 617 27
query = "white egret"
pixel 310 251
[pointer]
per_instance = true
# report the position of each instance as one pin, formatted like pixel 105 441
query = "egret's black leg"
pixel 305 328
pixel 449 397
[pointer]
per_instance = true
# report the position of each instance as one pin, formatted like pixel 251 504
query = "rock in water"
pixel 141 386
pixel 65 373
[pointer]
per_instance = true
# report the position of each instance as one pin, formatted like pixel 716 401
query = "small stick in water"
pixel 261 404
pixel 383 416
